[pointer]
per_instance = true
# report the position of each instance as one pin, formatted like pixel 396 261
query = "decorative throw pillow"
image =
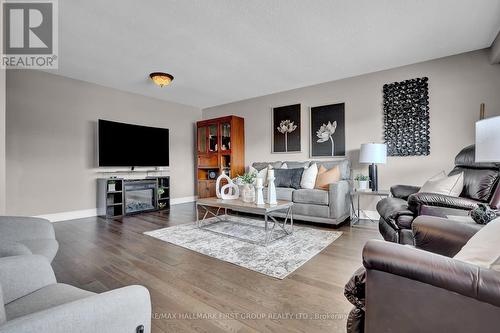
pixel 326 177
pixel 452 185
pixel 259 174
pixel 482 249
pixel 284 166
pixel 288 178
pixel 309 177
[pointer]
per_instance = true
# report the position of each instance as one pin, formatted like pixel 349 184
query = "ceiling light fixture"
pixel 161 79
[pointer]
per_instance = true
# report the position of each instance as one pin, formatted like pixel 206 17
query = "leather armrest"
pixel 433 269
pixel 403 191
pixel 440 235
pixel 415 201
pixel 354 289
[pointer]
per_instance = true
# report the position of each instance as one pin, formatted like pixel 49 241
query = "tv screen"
pixel 127 145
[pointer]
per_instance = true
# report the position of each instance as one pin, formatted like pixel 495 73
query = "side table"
pixel 380 193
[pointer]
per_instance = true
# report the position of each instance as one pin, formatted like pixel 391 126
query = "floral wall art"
pixel 328 130
pixel 286 129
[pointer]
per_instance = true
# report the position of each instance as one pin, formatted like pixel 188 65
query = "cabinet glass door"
pixel 213 139
pixel 202 139
pixel 225 134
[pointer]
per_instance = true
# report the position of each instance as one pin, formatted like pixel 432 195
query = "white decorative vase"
pixel 248 193
pixel 363 185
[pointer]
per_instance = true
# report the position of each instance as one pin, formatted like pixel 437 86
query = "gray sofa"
pixel 31 300
pixel 332 206
pixel 27 235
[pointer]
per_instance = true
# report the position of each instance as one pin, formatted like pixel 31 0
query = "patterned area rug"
pixel 231 242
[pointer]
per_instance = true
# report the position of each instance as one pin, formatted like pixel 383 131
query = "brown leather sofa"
pixel 480 186
pixel 409 289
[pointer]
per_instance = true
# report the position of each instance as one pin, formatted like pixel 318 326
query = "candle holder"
pixel 271 191
pixel 259 195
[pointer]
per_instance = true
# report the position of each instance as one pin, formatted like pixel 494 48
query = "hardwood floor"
pixel 191 292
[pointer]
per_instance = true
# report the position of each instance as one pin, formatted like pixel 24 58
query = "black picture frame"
pixel 289 140
pixel 323 119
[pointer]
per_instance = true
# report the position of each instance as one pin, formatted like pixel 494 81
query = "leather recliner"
pixel 422 288
pixel 480 186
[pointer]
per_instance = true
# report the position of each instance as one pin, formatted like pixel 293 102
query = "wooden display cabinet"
pixel 220 149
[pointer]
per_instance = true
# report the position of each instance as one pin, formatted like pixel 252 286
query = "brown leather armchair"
pixel 480 186
pixel 408 289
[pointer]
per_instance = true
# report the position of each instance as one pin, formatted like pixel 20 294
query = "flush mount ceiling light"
pixel 161 79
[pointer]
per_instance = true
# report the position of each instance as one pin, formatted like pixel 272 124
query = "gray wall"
pixel 51 139
pixel 457 85
pixel 2 141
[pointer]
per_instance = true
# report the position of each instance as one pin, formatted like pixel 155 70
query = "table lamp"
pixel 488 140
pixel 373 154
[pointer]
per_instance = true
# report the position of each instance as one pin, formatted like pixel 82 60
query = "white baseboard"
pixel 176 201
pixel 71 215
pixel 80 214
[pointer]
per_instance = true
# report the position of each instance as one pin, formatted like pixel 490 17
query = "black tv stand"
pixel 118 196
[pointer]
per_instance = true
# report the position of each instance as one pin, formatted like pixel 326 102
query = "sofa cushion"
pixel 344 166
pixel 261 165
pixel 451 185
pixel 259 174
pixel 11 248
pixel 288 177
pixel 44 298
pixel 311 196
pixel 326 177
pixel 45 247
pixel 282 193
pixel 296 165
pixel 482 249
pixel 309 177
pixel 311 210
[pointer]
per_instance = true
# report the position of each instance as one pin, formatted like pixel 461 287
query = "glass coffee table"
pixel 247 207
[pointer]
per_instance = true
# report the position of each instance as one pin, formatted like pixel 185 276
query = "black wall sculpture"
pixel 406 118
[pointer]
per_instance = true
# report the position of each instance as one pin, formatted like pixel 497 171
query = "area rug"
pixel 230 242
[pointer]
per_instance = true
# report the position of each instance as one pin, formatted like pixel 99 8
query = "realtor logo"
pixel 29 38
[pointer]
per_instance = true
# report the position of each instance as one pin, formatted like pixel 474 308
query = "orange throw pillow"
pixel 326 177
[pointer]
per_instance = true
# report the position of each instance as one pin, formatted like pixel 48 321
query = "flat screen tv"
pixel 127 145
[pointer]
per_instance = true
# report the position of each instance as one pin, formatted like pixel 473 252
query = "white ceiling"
pixel 227 50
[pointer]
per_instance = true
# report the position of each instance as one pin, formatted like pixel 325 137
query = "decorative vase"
pixel 111 187
pixel 248 193
pixel 363 185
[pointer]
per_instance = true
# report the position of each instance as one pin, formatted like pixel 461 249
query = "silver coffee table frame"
pixel 240 206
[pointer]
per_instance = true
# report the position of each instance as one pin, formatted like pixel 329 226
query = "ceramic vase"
pixel 248 193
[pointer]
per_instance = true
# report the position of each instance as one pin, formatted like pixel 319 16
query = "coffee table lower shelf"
pixel 244 207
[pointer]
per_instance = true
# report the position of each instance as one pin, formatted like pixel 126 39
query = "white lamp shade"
pixel 488 140
pixel 373 153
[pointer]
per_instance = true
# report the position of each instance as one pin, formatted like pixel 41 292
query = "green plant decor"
pixel 161 190
pixel 247 178
pixel 361 178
